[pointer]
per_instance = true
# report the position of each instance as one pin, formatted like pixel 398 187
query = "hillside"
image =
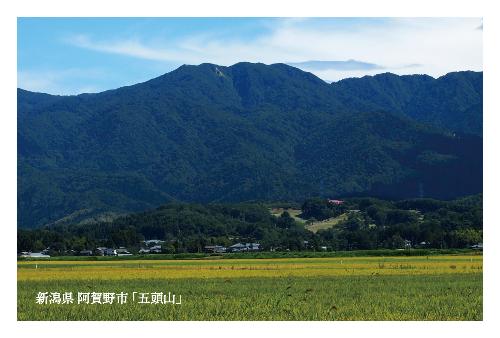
pixel 359 223
pixel 453 102
pixel 209 133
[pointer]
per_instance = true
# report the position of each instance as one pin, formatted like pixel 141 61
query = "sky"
pixel 67 56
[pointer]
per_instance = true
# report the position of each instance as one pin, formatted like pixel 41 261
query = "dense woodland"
pixel 212 134
pixel 370 224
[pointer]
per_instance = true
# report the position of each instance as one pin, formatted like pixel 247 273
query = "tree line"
pixel 367 223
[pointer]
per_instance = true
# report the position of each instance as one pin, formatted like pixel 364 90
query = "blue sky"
pixel 75 55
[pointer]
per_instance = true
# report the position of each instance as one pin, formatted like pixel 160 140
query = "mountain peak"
pixel 245 132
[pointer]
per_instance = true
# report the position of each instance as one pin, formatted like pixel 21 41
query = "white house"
pixel 110 252
pixel 239 247
pixel 215 248
pixel 122 252
pixel 36 255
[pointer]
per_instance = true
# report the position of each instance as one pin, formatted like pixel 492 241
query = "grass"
pixel 314 227
pixel 293 212
pixel 327 223
pixel 342 288
pixel 263 255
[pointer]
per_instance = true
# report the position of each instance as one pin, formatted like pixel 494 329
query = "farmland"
pixel 446 287
pixel 327 223
pixel 291 211
pixel 312 226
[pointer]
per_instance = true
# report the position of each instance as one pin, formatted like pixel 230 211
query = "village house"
pixel 215 248
pixel 101 251
pixel 335 202
pixel 407 244
pixel 240 247
pixel 155 249
pixel 110 252
pixel 478 246
pixel 121 251
pixel 25 254
pixel 155 242
pixel 86 253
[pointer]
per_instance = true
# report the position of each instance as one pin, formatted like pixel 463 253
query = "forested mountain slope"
pixel 209 133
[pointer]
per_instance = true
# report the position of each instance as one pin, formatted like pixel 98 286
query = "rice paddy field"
pixel 443 287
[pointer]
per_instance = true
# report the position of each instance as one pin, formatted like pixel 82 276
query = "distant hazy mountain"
pixel 337 65
pixel 246 132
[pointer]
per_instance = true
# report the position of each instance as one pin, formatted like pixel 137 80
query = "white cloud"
pixel 133 48
pixel 433 46
pixel 61 82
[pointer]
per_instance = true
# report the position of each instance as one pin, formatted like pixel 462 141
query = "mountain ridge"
pixel 245 132
pixel 259 63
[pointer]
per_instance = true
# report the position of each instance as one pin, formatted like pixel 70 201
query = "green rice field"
pixel 445 287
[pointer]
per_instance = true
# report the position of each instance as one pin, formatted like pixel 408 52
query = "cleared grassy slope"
pixel 327 223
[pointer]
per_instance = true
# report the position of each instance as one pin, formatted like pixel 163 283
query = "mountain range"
pixel 248 132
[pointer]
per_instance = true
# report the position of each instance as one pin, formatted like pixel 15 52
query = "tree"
pixel 317 208
pixel 466 237
pixel 285 221
pixel 396 242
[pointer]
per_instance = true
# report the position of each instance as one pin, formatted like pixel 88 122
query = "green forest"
pixel 249 132
pixel 369 223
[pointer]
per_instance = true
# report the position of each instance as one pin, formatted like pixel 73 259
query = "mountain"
pixel 453 102
pixel 337 65
pixel 210 133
